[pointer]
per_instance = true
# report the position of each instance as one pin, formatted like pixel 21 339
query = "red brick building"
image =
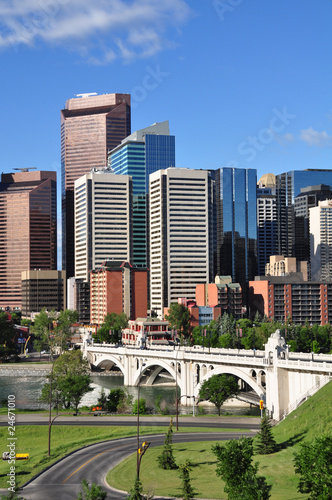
pixel 280 298
pixel 118 287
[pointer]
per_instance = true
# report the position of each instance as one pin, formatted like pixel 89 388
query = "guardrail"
pixel 284 413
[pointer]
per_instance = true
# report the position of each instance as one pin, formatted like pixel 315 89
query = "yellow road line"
pixel 85 464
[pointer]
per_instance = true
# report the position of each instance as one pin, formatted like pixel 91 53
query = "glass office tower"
pixel 91 126
pixel 236 220
pixel 288 187
pixel 142 153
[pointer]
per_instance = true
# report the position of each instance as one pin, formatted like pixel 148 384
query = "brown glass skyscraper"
pixel 28 232
pixel 91 125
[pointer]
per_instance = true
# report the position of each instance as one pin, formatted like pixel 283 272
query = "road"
pixel 63 480
pixel 251 423
pixel 92 463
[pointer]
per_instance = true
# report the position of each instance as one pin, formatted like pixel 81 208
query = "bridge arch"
pixel 108 361
pixel 160 364
pixel 231 370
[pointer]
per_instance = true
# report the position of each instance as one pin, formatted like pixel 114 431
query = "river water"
pixel 27 391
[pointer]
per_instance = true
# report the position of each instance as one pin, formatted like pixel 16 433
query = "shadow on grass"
pixel 297 438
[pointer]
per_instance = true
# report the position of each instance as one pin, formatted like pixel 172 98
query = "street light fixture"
pixel 139 454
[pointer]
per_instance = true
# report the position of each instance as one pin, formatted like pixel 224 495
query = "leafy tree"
pixel 314 464
pixel 266 443
pixel 235 467
pixel 111 330
pixel 70 380
pixel 62 330
pixel 166 459
pixel 142 406
pixel 7 336
pixel 179 318
pixel 188 491
pixel 218 389
pixel 115 401
pixel 52 331
pixel 102 400
pixel 93 492
pixel 226 341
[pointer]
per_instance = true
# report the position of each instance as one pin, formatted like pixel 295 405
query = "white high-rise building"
pixel 180 234
pixel 103 220
pixel 321 241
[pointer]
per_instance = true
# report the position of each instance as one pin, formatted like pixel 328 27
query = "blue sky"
pixel 242 82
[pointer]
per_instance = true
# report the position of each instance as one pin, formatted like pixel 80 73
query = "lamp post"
pixel 176 390
pixel 138 448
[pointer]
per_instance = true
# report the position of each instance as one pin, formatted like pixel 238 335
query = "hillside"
pixel 311 419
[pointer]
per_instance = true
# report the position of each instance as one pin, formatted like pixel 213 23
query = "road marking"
pixel 111 449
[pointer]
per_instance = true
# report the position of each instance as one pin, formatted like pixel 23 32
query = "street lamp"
pixel 138 448
pixel 176 389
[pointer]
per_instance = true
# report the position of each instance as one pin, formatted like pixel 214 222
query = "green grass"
pixel 312 419
pixel 34 440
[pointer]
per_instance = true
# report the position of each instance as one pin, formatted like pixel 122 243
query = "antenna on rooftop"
pixel 25 169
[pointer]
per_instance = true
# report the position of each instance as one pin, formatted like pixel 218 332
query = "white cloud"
pixel 289 137
pixel 314 138
pixel 123 28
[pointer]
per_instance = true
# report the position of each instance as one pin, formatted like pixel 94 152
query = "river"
pixel 27 391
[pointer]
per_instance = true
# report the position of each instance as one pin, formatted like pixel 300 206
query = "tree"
pixel 7 336
pixel 136 493
pixel 218 389
pixel 111 330
pixel 70 380
pixel 166 459
pixel 179 319
pixel 142 406
pixel 188 491
pixel 117 400
pixel 235 467
pixel 95 492
pixel 266 443
pixel 314 464
pixel 52 331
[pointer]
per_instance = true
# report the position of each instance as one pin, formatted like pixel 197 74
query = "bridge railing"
pixel 185 349
pixel 284 413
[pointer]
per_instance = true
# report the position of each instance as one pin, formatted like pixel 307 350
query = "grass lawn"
pixel 204 479
pixel 34 440
pixel 310 420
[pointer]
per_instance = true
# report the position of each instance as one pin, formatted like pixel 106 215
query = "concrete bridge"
pixel 281 378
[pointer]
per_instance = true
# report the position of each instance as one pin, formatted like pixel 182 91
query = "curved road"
pixel 63 480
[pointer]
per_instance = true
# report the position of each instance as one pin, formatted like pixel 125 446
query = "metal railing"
pixel 284 413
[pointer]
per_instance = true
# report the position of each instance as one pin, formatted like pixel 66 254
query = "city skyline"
pixel 241 84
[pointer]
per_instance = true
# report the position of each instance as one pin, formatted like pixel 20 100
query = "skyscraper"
pixel 142 153
pixel 266 221
pixel 236 221
pixel 103 220
pixel 28 232
pixel 321 241
pixel 91 125
pixel 180 234
pixel 288 186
